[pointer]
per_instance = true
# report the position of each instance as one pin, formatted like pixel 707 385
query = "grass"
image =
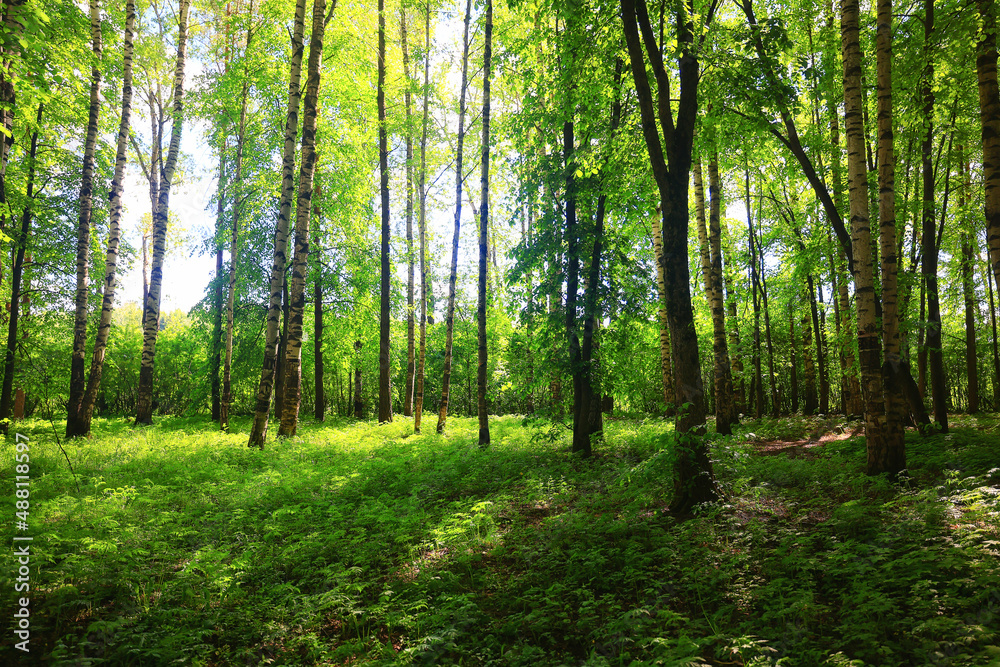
pixel 360 544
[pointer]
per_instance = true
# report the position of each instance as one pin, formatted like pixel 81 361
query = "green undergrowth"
pixel 360 544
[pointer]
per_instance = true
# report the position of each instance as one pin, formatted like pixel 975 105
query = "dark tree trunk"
pixel 359 405
pixel 694 480
pixel 410 304
pixel 484 424
pixel 989 106
pixel 17 274
pixel 384 392
pixel 279 368
pixel 418 408
pixel 319 410
pixel 929 268
pixel 453 274
pixel 793 347
pixel 77 380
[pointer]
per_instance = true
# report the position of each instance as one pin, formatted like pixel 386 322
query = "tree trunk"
pixel 77 380
pixel 89 401
pixel 711 250
pixel 217 307
pixel 359 405
pixel 819 329
pixel 820 370
pixel 262 407
pixel 810 403
pixel 384 393
pixel 303 209
pixel 757 384
pixel 418 409
pixel 969 293
pixel 725 409
pixel 588 422
pixel 453 274
pixel 666 368
pixel 410 306
pixel 319 410
pixel 17 273
pixel 279 368
pixel 996 347
pixel 863 269
pixel 227 369
pixel 989 108
pixel 694 481
pixel 484 424
pixel 793 347
pixel 930 251
pixel 151 311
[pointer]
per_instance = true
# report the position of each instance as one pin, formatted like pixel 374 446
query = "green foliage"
pixel 364 544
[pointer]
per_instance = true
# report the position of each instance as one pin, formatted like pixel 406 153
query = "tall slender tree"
pixel 863 264
pixel 929 263
pixel 151 310
pixel 670 158
pixel 453 273
pixel 891 456
pixel 303 209
pixel 87 404
pixel 238 198
pixel 418 409
pixel 384 393
pixel 17 275
pixel 410 308
pixel 262 406
pixel 484 206
pixel 77 381
pixel 989 111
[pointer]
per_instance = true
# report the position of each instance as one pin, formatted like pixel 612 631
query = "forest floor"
pixel 356 544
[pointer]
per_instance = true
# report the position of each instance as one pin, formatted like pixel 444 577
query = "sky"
pixel 186 272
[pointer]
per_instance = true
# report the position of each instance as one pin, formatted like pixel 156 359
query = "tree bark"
pixel 319 408
pixel 482 374
pixel 996 346
pixel 16 276
pixel 217 305
pixel 725 408
pixel 694 481
pixel 930 252
pixel 384 392
pixel 989 108
pixel 227 368
pixel 359 405
pixel 410 306
pixel 262 407
pixel 151 311
pixel 863 269
pixel 969 292
pixel 303 209
pixel 453 274
pixel 86 412
pixel 810 396
pixel 666 367
pixel 77 380
pixel 279 368
pixel 588 421
pixel 418 409
pixel 793 350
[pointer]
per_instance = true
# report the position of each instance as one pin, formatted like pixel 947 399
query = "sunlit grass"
pixel 364 544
